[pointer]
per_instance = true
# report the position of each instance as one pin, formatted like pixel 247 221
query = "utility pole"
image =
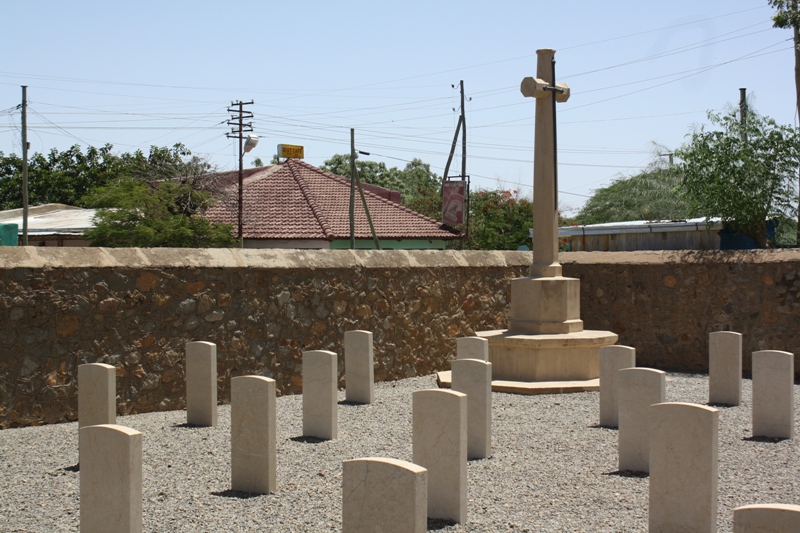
pixel 239 128
pixel 463 134
pixel 355 180
pixel 462 127
pixel 352 189
pixel 743 111
pixel 24 165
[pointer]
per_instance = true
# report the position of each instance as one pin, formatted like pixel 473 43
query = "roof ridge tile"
pixel 309 197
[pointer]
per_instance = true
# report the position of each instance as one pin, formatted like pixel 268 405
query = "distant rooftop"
pixel 642 226
pixel 52 219
pixel 296 200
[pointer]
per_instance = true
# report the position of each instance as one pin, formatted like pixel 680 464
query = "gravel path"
pixel 553 469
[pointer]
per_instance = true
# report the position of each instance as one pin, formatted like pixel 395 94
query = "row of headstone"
pixel 111 455
pixel 448 427
pixel 772 400
pixel 471 374
pixel 677 442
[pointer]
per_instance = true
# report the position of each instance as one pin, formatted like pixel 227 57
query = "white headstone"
pixel 385 495
pixel 440 445
pixel 320 407
pixel 725 368
pixel 359 373
pixel 201 383
pixel 474 378
pixel 767 518
pixel 110 479
pixel 253 434
pixel 612 360
pixel 683 468
pixel 773 394
pixel 472 348
pixel 97 394
pixel 638 389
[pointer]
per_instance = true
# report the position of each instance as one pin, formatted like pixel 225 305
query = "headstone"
pixel 97 394
pixel 725 368
pixel 386 495
pixel 773 394
pixel 767 518
pixel 474 378
pixel 472 348
pixel 201 383
pixel 638 389
pixel 683 468
pixel 320 407
pixel 110 479
pixel 253 441
pixel 359 366
pixel 612 359
pixel 439 442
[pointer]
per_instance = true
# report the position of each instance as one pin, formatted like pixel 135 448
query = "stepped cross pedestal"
pixel 545 348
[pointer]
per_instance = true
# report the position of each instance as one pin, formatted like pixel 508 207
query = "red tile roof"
pixel 298 201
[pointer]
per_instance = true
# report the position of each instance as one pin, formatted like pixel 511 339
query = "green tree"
pixel 58 177
pixel 788 16
pixel 158 202
pixel 418 185
pixel 499 220
pixel 743 173
pixel 649 195
pixel 167 215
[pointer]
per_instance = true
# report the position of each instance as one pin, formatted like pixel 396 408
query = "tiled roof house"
pixel 296 205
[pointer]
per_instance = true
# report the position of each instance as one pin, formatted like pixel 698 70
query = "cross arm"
pixel 538 88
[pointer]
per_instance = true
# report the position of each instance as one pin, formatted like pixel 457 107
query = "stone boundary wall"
pixel 136 308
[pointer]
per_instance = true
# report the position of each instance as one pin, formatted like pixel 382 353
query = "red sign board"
pixel 455 192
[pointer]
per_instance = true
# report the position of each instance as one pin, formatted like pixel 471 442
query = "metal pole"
pixel 555 145
pixel 352 189
pixel 24 165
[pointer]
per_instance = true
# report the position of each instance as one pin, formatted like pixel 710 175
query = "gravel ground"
pixel 552 469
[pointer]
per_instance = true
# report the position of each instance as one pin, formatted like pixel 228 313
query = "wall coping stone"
pixel 68 257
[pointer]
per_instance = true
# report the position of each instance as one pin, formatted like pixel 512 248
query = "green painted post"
pixel 9 234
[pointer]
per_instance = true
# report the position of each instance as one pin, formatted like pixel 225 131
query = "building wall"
pixel 136 308
pixel 656 240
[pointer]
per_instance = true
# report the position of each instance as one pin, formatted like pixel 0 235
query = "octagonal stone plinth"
pixel 552 357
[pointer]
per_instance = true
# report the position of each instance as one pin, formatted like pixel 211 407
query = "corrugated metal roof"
pixel 641 226
pixel 52 219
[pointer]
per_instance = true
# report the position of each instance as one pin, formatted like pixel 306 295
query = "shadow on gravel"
pixel 771 440
pixel 74 468
pixel 627 473
pixel 438 523
pixel 188 425
pixel 598 426
pixel 720 405
pixel 354 404
pixel 308 440
pixel 239 495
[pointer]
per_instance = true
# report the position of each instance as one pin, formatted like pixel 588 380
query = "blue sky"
pixel 144 73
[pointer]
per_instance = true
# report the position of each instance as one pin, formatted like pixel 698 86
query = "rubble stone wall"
pixel 136 308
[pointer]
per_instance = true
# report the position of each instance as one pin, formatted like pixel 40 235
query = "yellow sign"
pixel 290 151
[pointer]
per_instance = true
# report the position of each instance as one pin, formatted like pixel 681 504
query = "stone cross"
pixel 545 214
